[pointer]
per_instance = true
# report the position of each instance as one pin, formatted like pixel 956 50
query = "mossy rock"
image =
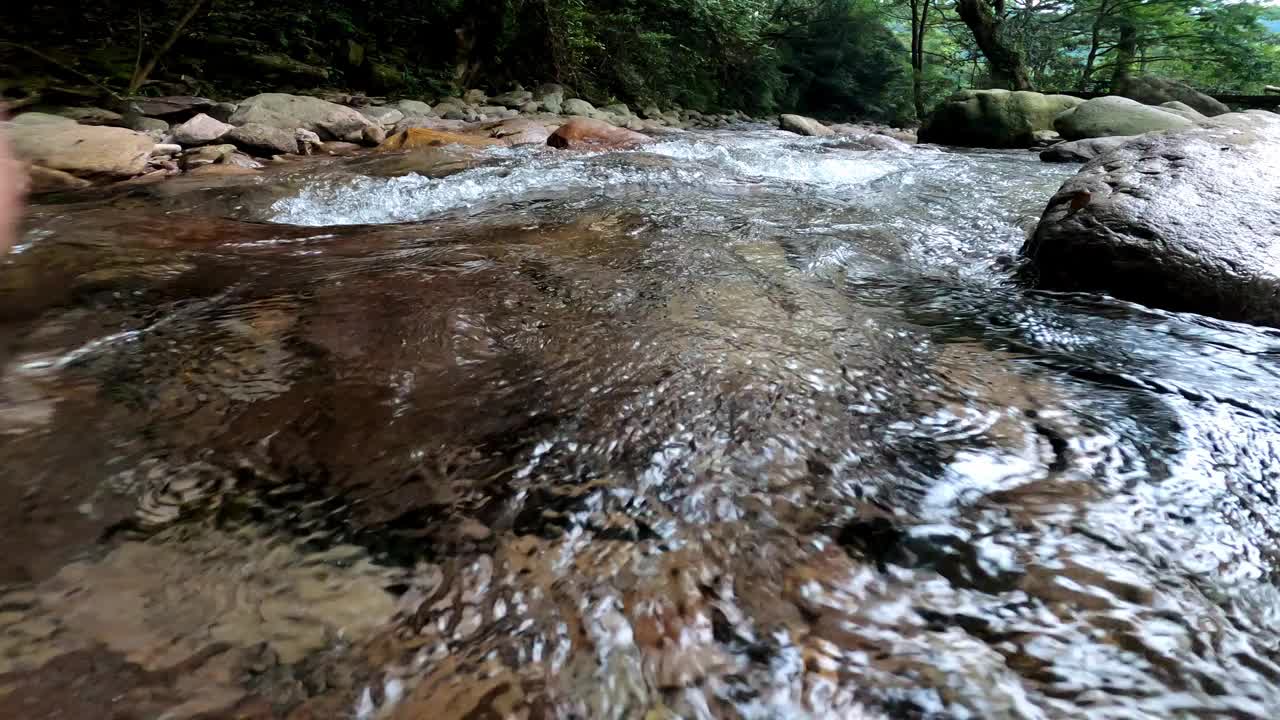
pixel 994 118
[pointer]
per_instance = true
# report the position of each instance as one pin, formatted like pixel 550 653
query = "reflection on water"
pixel 743 425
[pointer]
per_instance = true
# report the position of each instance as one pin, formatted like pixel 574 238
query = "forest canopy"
pixel 884 59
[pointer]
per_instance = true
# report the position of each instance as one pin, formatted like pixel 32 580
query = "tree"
pixel 985 19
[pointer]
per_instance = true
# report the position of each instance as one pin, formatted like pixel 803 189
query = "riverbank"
pixel 68 148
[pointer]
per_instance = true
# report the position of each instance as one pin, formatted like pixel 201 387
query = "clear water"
pixel 742 425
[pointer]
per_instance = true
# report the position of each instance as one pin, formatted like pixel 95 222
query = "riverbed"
pixel 739 424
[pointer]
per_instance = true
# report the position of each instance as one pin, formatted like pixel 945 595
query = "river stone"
pixel 1182 110
pixel 174 108
pixel 576 106
pixel 804 126
pixel 39 118
pixel 1186 222
pixel 588 134
pixel 520 131
pixel 1155 90
pixel 259 139
pixel 329 120
pixel 206 155
pixel 82 150
pixel 152 127
pixel 91 116
pixel 994 118
pixel 383 114
pixel 475 97
pixel 413 108
pixel 1083 150
pixel 1112 115
pixel 431 123
pixel 200 130
pixel 619 109
pixel 46 180
pixel 415 138
pixel 513 99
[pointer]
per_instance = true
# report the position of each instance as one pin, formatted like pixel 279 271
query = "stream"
pixel 738 425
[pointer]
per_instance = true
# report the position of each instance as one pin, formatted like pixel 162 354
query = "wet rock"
pixel 200 130
pixel 804 126
pixel 307 141
pixel 1155 90
pixel 329 120
pixel 1083 150
pixel 45 180
pixel 513 99
pixel 585 134
pixel 413 108
pixel 339 148
pixel 414 138
pixel 1186 222
pixel 221 170
pixel 166 149
pixel 174 108
pixel 239 159
pixel 994 118
pixel 383 115
pixel 1111 115
pixel 260 139
pixel 519 131
pixel 206 155
pixel 82 150
pixel 575 106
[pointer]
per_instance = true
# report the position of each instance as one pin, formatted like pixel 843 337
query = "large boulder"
pixel 575 106
pixel 1182 110
pixel 1083 150
pixel 804 126
pixel 259 139
pixel 82 150
pixel 520 131
pixel 1155 90
pixel 200 130
pixel 1183 221
pixel 418 138
pixel 329 120
pixel 994 118
pixel 1113 115
pixel 588 134
pixel 174 108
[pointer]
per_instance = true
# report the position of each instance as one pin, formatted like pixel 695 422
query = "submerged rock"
pixel 804 126
pixel 287 112
pixel 1186 222
pixel 1155 90
pixel 994 118
pixel 588 134
pixel 1111 115
pixel 82 150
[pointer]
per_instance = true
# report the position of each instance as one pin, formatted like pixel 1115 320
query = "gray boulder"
pixel 994 118
pixel 1155 90
pixel 413 108
pixel 575 106
pixel 200 130
pixel 39 118
pixel 513 99
pixel 329 120
pixel 174 108
pixel 259 139
pixel 154 128
pixel 1112 115
pixel 82 150
pixel 1083 150
pixel 1186 222
pixel 802 125
pixel 384 115
pixel 1182 110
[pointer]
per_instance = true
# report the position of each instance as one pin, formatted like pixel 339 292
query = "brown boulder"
pixel 414 138
pixel 82 150
pixel 519 131
pixel 44 180
pixel 586 134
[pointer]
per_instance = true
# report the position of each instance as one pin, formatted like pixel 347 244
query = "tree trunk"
pixel 1095 39
pixel 919 20
pixel 1126 51
pixel 1007 66
pixel 140 74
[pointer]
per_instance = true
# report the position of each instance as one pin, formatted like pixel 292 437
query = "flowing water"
pixel 740 425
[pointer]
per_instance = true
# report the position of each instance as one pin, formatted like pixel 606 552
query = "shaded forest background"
pixel 881 59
